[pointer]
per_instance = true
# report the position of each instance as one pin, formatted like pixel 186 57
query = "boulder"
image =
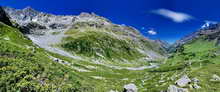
pixel 215 78
pixel 173 88
pixel 195 80
pixel 130 88
pixel 183 81
pixel 196 86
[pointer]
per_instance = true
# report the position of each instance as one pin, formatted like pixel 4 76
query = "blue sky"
pixel 157 19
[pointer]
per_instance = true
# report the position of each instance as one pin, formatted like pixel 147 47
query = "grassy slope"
pixel 25 67
pixel 111 45
pixel 196 59
pixel 196 62
pixel 94 40
pixel 91 43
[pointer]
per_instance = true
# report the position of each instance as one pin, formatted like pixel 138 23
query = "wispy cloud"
pixel 178 17
pixel 152 32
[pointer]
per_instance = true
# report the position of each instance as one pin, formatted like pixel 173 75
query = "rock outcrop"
pixel 31 27
pixel 164 44
pixel 4 17
pixel 31 21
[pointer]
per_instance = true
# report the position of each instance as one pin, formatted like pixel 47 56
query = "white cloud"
pixel 175 16
pixel 152 32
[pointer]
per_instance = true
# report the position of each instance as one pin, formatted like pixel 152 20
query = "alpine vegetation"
pixel 42 52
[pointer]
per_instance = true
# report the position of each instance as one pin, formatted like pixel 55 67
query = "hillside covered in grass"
pixel 109 44
pixel 198 59
pixel 27 68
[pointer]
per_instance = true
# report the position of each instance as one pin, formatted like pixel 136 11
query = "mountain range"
pixel 88 53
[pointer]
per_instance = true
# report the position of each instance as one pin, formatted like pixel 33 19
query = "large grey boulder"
pixel 183 81
pixel 130 88
pixel 196 86
pixel 173 88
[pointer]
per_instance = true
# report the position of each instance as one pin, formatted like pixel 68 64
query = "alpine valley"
pixel 41 52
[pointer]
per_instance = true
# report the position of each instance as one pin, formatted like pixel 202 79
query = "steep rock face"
pixel 4 17
pixel 31 27
pixel 32 21
pixel 163 44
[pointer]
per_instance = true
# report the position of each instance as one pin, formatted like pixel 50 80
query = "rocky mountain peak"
pixel 209 25
pixel 92 17
pixel 28 15
pixel 85 14
pixel 28 11
pixel 28 8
